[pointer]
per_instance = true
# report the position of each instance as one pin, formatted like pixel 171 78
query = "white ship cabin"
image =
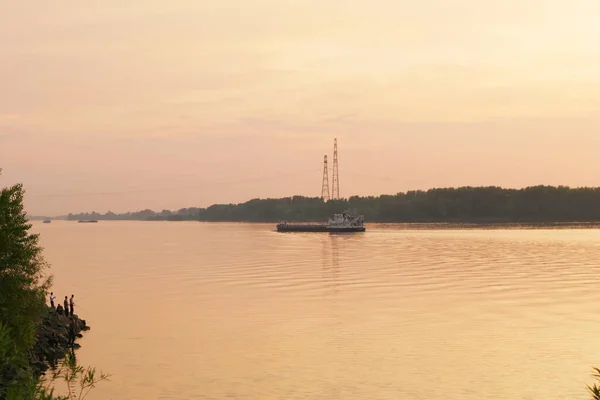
pixel 343 219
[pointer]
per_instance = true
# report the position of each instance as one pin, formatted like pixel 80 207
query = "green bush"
pixel 23 290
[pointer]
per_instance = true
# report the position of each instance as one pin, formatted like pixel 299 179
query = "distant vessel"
pixel 337 223
pixel 87 221
pixel 47 221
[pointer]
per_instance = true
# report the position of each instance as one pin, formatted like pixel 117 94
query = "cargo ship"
pixel 337 223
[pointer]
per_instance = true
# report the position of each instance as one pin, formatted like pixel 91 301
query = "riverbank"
pixel 52 340
pixel 426 225
pixel 464 204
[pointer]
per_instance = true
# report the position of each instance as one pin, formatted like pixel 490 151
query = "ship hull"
pixel 318 228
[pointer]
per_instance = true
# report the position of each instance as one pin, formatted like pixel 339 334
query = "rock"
pixel 52 339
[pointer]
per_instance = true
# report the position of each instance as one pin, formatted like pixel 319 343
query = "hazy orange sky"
pixel 113 105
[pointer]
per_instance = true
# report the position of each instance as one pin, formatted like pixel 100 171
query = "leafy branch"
pixel 595 389
pixel 72 374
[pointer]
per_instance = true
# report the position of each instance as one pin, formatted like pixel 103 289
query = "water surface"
pixel 213 311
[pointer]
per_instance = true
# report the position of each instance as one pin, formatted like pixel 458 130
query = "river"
pixel 223 310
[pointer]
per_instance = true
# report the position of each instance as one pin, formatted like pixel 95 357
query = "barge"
pixel 337 223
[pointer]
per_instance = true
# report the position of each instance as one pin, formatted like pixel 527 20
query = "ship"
pixel 341 222
pixel 47 221
pixel 87 221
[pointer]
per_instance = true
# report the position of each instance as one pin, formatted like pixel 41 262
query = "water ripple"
pixel 185 310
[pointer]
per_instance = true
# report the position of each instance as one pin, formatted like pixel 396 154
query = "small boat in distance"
pixel 47 221
pixel 337 223
pixel 87 221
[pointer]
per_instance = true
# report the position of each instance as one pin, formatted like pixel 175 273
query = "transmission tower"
pixel 335 182
pixel 325 187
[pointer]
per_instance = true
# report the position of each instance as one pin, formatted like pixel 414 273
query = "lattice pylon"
pixel 335 182
pixel 325 185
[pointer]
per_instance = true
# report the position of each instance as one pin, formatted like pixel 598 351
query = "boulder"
pixel 52 339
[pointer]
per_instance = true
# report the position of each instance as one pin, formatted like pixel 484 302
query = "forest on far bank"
pixel 464 204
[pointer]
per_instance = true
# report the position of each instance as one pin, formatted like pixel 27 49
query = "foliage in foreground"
pixel 19 381
pixel 22 294
pixel 16 378
pixel 595 389
pixel 78 381
pixel 23 289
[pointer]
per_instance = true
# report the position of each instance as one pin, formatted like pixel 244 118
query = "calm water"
pixel 216 311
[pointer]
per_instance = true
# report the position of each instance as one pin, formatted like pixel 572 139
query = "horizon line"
pixel 335 200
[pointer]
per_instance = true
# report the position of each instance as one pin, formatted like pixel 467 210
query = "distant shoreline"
pixel 443 225
pixel 464 205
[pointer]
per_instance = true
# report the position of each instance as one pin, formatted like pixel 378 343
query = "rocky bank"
pixel 52 341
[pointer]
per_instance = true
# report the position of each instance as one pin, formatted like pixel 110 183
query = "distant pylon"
pixel 335 182
pixel 325 187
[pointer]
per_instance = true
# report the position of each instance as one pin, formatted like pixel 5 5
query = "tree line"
pixel 463 204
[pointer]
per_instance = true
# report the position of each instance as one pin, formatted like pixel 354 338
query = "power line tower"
pixel 325 186
pixel 335 183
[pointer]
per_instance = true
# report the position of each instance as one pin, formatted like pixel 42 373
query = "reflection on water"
pixel 331 265
pixel 211 311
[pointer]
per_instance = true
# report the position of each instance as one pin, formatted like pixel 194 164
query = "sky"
pixel 122 106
